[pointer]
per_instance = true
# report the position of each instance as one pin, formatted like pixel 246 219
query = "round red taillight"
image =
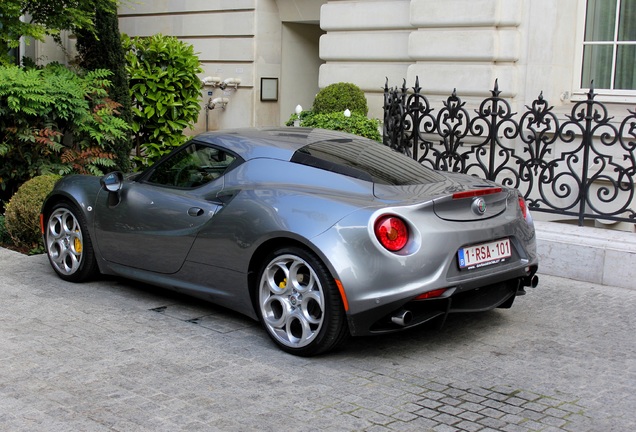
pixel 523 207
pixel 391 232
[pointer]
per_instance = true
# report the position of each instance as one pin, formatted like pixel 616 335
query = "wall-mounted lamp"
pixel 230 82
pixel 219 102
pixel 211 81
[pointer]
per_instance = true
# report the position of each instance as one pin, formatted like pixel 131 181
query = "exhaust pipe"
pixel 531 282
pixel 402 318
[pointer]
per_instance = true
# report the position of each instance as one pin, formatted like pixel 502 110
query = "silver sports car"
pixel 317 234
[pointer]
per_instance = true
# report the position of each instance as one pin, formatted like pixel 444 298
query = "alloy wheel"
pixel 291 300
pixel 64 241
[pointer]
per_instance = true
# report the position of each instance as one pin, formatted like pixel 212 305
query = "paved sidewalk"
pixel 117 356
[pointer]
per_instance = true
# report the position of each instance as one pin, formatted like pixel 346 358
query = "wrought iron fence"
pixel 582 165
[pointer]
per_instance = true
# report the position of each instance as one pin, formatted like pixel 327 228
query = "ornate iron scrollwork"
pixel 582 166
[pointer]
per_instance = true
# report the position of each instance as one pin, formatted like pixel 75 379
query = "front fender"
pixel 80 190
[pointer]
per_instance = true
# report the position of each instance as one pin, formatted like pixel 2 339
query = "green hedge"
pixel 22 216
pixel 356 124
pixel 5 238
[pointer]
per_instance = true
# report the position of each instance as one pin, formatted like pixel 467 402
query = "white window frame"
pixel 580 92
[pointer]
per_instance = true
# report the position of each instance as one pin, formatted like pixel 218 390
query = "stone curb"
pixel 587 254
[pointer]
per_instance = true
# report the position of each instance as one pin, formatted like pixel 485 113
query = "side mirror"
pixel 112 182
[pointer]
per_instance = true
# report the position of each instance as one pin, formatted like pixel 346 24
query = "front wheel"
pixel 299 304
pixel 68 244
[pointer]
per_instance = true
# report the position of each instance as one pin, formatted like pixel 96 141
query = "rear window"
pixel 366 160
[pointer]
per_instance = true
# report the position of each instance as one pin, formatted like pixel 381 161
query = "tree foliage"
pixel 53 120
pixel 107 52
pixel 165 92
pixel 35 19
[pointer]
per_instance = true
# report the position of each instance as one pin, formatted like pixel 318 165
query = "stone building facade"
pixel 284 51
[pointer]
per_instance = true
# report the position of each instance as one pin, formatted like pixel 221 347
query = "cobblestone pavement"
pixel 114 355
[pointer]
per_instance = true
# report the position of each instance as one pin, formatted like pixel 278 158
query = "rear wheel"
pixel 299 304
pixel 68 244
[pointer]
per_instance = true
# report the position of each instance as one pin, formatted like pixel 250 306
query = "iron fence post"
pixel 587 143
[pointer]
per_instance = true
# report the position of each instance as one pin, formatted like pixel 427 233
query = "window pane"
pixel 166 173
pixel 627 24
pixel 366 160
pixel 600 20
pixel 625 61
pixel 597 66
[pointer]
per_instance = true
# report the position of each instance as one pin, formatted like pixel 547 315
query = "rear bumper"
pixel 409 313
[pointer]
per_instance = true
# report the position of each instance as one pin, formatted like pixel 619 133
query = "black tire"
pixel 68 243
pixel 299 304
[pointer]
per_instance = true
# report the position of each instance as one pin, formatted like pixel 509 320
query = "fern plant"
pixel 54 120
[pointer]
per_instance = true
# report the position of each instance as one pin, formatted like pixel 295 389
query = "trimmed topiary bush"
pixel 22 216
pixel 339 97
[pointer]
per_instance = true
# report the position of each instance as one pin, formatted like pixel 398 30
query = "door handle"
pixel 195 211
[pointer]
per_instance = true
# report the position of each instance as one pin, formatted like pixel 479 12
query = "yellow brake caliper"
pixel 78 245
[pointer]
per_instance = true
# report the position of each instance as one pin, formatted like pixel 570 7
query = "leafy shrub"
pixel 5 238
pixel 339 97
pixel 22 216
pixel 165 92
pixel 54 120
pixel 356 124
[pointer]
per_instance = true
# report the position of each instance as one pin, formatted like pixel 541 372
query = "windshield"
pixel 366 160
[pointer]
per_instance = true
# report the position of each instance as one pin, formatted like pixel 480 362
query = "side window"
pixel 192 166
pixel 609 45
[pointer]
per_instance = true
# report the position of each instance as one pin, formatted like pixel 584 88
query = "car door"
pixel 154 220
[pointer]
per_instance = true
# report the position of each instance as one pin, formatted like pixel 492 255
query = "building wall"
pixel 366 42
pixel 301 64
pixel 244 39
pixel 528 46
pixel 223 33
